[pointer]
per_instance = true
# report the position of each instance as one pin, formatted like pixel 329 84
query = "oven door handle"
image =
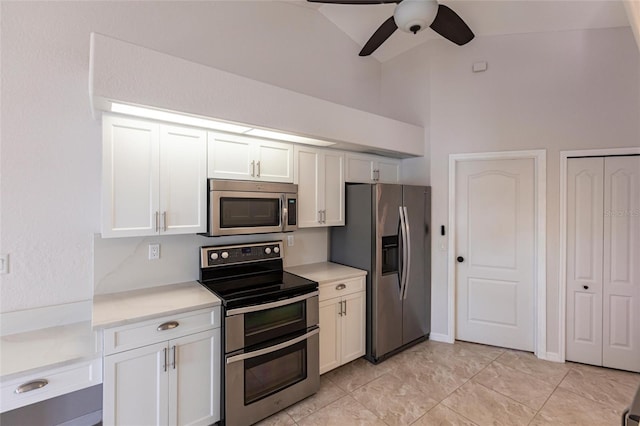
pixel 274 348
pixel 265 306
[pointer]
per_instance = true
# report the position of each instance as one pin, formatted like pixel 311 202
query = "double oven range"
pixel 270 330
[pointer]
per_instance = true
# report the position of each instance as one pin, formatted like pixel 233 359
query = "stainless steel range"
pixel 270 332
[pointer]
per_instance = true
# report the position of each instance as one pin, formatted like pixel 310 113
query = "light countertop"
pixel 116 309
pixel 39 350
pixel 324 272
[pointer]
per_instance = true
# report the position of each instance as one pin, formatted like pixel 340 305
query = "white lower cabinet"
pixel 172 382
pixel 342 322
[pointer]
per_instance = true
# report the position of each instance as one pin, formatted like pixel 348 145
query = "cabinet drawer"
pixel 144 333
pixel 341 288
pixel 48 384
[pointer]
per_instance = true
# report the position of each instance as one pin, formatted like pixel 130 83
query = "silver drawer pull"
pixel 341 286
pixel 169 325
pixel 27 387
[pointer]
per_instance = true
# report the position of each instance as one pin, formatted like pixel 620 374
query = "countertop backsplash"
pixel 121 264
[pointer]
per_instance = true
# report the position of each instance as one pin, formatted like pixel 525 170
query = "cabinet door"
pixel 183 180
pixel 129 177
pixel 333 178
pixel 329 335
pixel 274 161
pixel 307 176
pixel 194 379
pixel 135 387
pixel 353 327
pixel 230 157
pixel 388 170
pixel 359 168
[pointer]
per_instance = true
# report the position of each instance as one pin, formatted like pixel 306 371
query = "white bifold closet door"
pixel 603 261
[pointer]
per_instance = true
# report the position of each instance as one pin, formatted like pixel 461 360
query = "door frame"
pixel 539 157
pixel 562 267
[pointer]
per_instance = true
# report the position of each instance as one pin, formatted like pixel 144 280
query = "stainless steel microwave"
pixel 244 207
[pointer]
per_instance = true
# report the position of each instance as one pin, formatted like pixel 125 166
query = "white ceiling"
pixel 484 17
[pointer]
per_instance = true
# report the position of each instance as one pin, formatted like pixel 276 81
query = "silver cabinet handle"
pixel 319 216
pixel 340 312
pixel 258 169
pixel 324 216
pixel 173 364
pixel 166 361
pixel 253 168
pixel 345 307
pixel 33 385
pixel 341 286
pixel 273 348
pixel 169 325
pixel 164 221
pixel 157 221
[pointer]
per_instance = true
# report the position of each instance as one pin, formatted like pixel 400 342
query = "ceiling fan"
pixel 412 16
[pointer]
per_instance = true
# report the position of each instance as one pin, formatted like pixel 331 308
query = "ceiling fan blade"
pixel 380 36
pixel 355 1
pixel 451 26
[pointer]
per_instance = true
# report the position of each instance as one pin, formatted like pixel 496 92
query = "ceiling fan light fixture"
pixel 412 16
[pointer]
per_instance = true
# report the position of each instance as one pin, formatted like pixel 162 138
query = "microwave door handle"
pixel 273 348
pixel 285 213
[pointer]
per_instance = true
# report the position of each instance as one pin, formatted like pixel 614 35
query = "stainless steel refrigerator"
pixel 387 233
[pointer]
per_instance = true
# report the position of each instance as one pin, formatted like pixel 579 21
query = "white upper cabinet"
pixel 365 168
pixel 245 158
pixel 153 178
pixel 320 177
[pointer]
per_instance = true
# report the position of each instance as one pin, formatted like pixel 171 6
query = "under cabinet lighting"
pixel 189 120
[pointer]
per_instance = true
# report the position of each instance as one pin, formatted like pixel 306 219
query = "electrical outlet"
pixel 290 240
pixel 154 251
pixel 4 263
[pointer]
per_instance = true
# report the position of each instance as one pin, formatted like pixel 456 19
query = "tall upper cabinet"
pixel 319 174
pixel 153 178
pixel 603 267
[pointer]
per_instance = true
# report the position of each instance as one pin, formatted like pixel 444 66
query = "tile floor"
pixel 464 384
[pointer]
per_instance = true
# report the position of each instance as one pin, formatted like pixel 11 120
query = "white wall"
pixel 50 152
pixel 557 91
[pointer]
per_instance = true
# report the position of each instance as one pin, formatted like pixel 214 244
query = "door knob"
pixel 586 287
pixel 460 259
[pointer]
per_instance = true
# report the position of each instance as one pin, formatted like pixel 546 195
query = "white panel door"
pixel 621 272
pixel 194 379
pixel 183 180
pixel 333 186
pixel 353 323
pixel 135 387
pixel 495 245
pixel 230 157
pixel 308 168
pixel 584 259
pixel 129 177
pixel 330 333
pixel 274 161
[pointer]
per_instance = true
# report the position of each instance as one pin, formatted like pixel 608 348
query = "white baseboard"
pixel 553 356
pixel 438 337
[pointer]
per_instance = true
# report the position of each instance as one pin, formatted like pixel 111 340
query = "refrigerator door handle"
pixel 405 259
pixel 407 243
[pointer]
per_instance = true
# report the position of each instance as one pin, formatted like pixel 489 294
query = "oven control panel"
pixel 227 255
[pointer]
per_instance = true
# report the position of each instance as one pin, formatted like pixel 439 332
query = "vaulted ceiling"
pixel 486 18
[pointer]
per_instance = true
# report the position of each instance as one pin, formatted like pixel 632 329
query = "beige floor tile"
pixel 567 408
pixel 551 372
pixel 328 393
pixel 487 407
pixel 626 377
pixel 345 411
pixel 442 416
pixel 278 419
pixel 393 400
pixel 358 373
pixel 515 384
pixel 599 388
pixel 435 380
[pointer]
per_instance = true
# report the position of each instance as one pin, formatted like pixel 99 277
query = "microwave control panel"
pixel 227 255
